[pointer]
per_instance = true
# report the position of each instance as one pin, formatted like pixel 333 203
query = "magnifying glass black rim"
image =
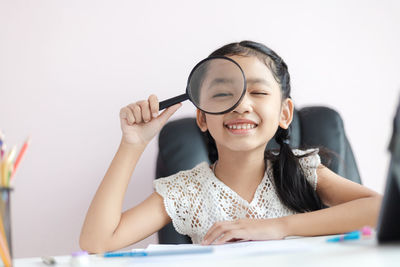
pixel 195 68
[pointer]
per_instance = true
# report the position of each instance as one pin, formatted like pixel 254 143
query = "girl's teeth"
pixel 241 126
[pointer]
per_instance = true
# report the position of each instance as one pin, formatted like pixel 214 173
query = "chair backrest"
pixel 387 230
pixel 182 146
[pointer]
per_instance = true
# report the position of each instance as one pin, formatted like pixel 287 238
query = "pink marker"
pixel 366 231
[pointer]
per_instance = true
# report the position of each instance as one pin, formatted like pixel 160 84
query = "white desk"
pixel 317 252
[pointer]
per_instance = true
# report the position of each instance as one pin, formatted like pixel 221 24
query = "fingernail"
pixel 154 115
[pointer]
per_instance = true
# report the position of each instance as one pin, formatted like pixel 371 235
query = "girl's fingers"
pixel 212 230
pixel 236 234
pixel 167 113
pixel 122 113
pixel 217 230
pixel 145 107
pixel 137 112
pixel 154 105
pixel 126 113
pixel 146 110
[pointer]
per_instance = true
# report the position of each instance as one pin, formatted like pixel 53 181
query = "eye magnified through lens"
pixel 216 85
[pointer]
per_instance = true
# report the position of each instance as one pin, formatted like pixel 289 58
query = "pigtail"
pixel 211 146
pixel 292 187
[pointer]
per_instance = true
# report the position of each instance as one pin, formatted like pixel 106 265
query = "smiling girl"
pixel 248 193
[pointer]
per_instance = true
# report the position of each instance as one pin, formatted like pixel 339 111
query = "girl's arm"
pixel 105 227
pixel 352 206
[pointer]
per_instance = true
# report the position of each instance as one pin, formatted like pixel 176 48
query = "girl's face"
pixel 256 119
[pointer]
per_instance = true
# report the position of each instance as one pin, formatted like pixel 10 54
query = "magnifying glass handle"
pixel 172 101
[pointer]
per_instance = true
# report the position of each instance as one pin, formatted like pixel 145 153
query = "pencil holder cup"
pixel 5 224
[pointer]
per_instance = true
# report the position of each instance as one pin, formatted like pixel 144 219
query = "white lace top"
pixel 195 199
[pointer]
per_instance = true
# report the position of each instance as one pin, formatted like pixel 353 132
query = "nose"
pixel 245 106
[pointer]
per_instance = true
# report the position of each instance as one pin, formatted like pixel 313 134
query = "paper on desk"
pixel 220 252
pixel 244 248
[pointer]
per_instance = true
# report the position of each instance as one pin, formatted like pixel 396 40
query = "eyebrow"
pixel 257 80
pixel 220 80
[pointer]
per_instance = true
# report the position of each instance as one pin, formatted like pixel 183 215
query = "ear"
pixel 286 116
pixel 201 120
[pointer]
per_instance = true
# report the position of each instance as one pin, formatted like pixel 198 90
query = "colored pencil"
pixel 20 156
pixel 4 251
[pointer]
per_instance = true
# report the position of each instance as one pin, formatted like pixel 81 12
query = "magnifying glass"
pixel 216 85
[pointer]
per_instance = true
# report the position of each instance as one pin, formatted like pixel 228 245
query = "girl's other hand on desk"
pixel 140 121
pixel 245 230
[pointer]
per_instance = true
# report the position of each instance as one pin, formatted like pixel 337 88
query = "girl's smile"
pixel 240 126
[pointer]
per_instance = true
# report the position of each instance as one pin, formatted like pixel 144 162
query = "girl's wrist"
pixel 279 230
pixel 129 145
pixel 284 222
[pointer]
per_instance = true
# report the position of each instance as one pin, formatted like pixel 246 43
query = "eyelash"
pixel 259 93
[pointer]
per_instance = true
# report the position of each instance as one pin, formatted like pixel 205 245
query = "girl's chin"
pixel 245 147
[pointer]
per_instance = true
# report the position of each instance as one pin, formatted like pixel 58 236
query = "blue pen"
pixel 125 254
pixel 168 252
pixel 349 236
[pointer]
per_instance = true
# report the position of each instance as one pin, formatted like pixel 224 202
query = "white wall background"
pixel 67 67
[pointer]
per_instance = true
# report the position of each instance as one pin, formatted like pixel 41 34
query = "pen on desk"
pixel 366 231
pixel 124 254
pixel 143 253
pixel 349 236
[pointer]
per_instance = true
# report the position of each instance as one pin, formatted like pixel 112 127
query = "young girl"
pixel 246 194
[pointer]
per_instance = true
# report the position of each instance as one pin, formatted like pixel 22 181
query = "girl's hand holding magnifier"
pixel 216 85
pixel 140 121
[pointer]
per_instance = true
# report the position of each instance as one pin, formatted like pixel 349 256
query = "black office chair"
pixel 182 146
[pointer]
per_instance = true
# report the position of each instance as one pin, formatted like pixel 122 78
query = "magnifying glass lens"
pixel 216 85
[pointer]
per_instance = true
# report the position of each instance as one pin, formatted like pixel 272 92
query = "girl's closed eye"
pixel 222 95
pixel 259 92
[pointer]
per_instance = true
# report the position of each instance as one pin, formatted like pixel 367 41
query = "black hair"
pixel 292 187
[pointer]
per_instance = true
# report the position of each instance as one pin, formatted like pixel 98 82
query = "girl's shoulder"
pixel 183 179
pixel 180 192
pixel 302 152
pixel 309 161
pixel 308 158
